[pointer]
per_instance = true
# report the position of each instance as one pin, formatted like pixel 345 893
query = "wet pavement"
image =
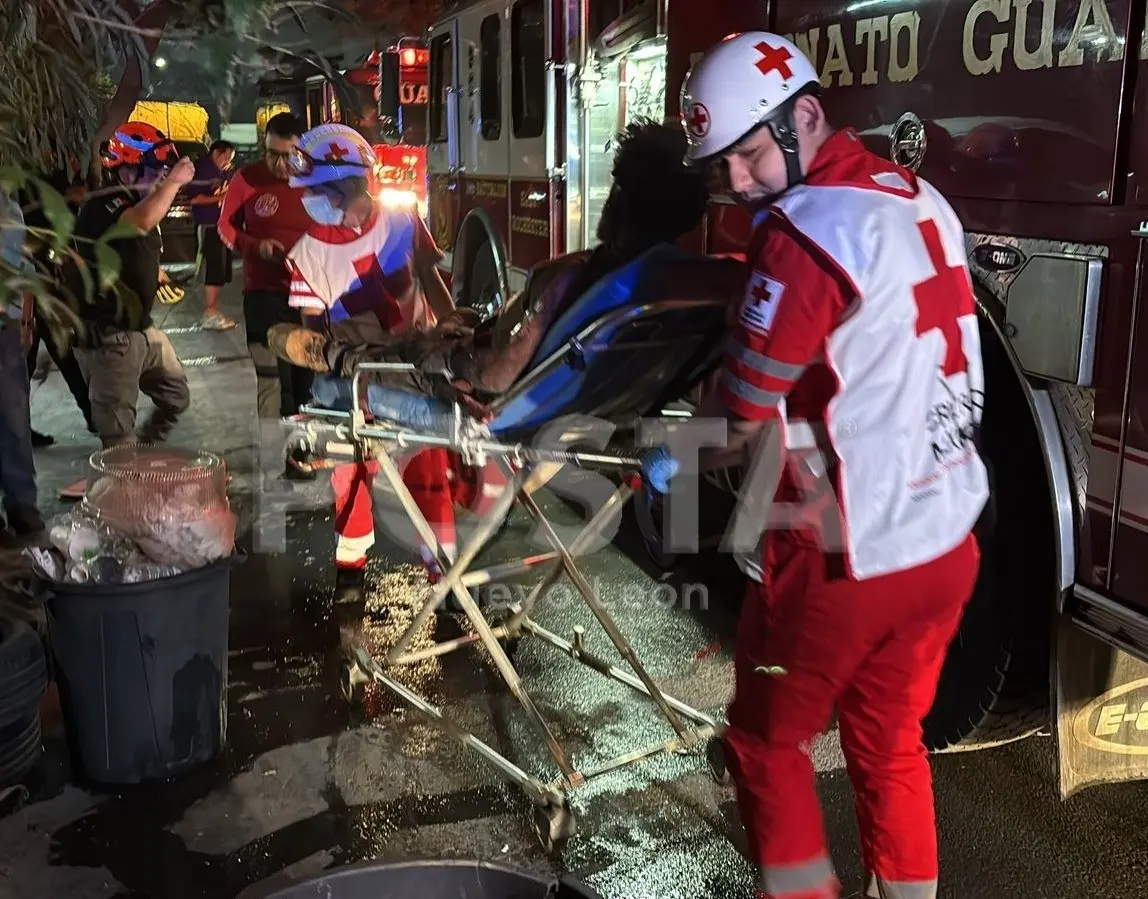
pixel 308 782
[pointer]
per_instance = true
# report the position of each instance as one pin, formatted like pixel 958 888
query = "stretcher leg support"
pixel 688 727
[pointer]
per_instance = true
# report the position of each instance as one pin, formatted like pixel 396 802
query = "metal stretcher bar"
pixel 527 470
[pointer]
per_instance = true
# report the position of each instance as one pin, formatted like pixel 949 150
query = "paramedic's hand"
pixel 270 249
pixel 658 467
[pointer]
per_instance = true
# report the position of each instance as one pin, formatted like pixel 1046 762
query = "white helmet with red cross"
pixel 744 82
pixel 330 153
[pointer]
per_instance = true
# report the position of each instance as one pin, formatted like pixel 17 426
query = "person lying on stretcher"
pixel 654 201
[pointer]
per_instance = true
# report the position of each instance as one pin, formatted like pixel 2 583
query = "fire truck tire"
pixel 994 687
pixel 482 290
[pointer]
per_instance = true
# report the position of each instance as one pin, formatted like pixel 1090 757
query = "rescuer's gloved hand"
pixel 658 467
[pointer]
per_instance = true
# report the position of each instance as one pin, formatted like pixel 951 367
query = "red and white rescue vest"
pixel 860 320
pixel 348 272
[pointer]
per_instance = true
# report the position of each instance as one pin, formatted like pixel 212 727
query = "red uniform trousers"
pixel 874 649
pixel 437 480
pixel 424 474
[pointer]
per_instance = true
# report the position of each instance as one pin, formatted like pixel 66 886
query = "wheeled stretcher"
pixel 604 360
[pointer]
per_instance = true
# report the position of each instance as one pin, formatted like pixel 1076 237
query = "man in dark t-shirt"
pixel 122 352
pixel 212 175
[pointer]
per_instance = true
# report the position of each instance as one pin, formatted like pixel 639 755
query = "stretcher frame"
pixel 527 470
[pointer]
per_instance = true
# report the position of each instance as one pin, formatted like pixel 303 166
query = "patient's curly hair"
pixel 655 197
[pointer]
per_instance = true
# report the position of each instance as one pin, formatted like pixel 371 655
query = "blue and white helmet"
pixel 330 153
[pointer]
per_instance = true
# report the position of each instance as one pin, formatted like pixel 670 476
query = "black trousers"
pixel 281 388
pixel 67 364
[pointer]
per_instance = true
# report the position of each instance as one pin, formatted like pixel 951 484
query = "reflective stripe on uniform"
pixel 808 880
pixel 901 889
pixel 349 550
pixel 761 363
pixel 764 399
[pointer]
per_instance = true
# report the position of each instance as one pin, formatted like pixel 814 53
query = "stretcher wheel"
pixel 715 758
pixel 351 682
pixel 555 825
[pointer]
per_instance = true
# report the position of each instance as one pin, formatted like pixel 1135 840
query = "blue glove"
pixel 658 467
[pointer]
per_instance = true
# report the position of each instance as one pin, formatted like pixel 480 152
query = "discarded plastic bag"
pixel 181 524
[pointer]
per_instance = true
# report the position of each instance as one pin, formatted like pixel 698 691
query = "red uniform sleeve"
pixel 795 297
pixel 231 217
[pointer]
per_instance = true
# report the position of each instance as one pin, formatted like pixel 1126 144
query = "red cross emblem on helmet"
pixel 774 59
pixel 698 121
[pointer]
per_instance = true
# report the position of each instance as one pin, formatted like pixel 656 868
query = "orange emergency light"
pixel 413 57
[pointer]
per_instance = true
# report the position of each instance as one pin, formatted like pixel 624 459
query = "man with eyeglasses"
pixel 261 220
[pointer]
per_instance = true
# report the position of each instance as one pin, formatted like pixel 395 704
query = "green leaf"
pixel 12 178
pixel 85 276
pixel 119 231
pixel 57 212
pixel 107 264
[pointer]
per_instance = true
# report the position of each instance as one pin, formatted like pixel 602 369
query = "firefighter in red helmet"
pixel 852 384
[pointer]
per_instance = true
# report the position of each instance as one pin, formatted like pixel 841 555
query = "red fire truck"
pixel 399 79
pixel 385 99
pixel 1032 117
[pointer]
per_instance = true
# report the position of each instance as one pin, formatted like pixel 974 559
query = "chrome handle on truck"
pixel 908 142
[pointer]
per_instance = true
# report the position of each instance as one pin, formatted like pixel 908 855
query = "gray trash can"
pixel 427 880
pixel 142 672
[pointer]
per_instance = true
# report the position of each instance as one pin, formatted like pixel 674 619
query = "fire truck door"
pixel 443 150
pixel 485 69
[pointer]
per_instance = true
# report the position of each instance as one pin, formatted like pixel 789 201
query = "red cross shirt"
pixel 369 271
pixel 858 333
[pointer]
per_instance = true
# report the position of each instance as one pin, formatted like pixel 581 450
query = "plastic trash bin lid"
pixel 426 880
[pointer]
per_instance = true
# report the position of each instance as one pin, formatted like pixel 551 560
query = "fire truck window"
pixel 490 84
pixel 528 50
pixel 442 76
pixel 315 106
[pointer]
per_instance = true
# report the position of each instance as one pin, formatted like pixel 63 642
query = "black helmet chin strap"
pixel 783 127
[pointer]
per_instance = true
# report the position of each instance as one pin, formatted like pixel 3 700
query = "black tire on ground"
pixel 994 686
pixel 19 749
pixel 23 671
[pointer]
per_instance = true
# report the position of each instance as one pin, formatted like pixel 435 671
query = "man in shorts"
pixel 212 177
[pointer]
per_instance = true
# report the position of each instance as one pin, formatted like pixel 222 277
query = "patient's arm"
pixel 494 369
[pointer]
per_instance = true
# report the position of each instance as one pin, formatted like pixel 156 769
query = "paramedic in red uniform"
pixel 261 219
pixel 363 272
pixel 857 330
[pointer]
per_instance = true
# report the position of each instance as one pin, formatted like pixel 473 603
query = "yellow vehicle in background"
pixel 264 113
pixel 184 123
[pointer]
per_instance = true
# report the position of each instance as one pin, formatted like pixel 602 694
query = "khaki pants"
pixel 125 363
